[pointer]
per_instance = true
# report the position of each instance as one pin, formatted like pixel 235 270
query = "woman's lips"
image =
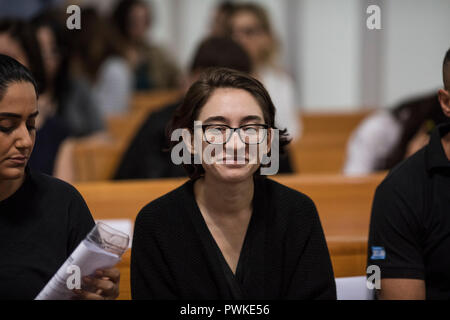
pixel 18 160
pixel 233 161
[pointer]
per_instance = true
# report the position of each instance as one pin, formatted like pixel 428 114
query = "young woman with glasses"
pixel 229 232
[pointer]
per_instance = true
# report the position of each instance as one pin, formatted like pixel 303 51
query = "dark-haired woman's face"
pixel 50 51
pixel 18 111
pixel 138 22
pixel 247 30
pixel 235 162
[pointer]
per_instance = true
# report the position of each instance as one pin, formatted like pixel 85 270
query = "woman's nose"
pixel 24 139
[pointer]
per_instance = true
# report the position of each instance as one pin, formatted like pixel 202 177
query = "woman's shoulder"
pixel 286 197
pixel 292 209
pixel 48 186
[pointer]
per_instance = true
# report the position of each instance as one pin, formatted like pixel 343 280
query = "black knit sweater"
pixel 284 255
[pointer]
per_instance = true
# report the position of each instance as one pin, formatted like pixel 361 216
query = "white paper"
pixel 88 257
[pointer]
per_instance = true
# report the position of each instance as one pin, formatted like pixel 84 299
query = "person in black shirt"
pixel 229 232
pixel 409 238
pixel 42 219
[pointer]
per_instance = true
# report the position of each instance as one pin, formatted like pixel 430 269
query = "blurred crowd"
pixel 90 74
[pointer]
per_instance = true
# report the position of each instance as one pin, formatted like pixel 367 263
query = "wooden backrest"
pixel 155 99
pixel 322 147
pixel 343 204
pixel 97 159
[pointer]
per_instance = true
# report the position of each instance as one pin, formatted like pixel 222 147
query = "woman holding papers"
pixel 229 233
pixel 42 219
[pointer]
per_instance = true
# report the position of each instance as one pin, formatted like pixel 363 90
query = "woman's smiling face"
pixel 234 108
pixel 18 112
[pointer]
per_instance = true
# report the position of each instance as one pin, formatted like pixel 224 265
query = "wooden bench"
pixel 322 147
pixel 343 204
pixel 97 159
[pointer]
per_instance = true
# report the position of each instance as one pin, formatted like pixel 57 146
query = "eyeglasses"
pixel 221 133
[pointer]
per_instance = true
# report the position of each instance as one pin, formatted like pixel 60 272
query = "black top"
pixel 146 157
pixel 40 225
pixel 410 225
pixel 284 255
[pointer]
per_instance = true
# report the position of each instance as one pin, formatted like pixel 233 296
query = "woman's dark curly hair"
pixel 200 92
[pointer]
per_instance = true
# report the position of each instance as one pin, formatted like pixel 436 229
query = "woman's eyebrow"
pixel 216 119
pixel 17 116
pixel 10 115
pixel 251 118
pixel 33 115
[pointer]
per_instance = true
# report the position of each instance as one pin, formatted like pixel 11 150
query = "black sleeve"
pixel 80 220
pixel 394 236
pixel 150 275
pixel 313 278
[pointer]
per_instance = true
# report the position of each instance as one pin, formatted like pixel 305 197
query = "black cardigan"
pixel 284 255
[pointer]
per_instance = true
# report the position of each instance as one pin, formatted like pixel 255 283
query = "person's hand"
pixel 103 285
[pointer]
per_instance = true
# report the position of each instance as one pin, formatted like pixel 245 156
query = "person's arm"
pixel 370 143
pixel 313 278
pixel 113 87
pixel 395 245
pixel 149 273
pixel 64 163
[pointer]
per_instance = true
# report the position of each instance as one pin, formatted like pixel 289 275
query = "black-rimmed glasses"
pixel 221 133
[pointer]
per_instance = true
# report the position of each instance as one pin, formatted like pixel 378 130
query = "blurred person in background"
pixel 101 57
pixel 387 137
pixel 52 151
pixel 72 97
pixel 251 27
pixel 152 68
pixel 220 21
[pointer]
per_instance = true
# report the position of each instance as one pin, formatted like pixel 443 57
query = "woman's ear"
pixel 444 99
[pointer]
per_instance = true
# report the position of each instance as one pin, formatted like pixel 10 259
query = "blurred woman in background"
pixel 220 19
pixel 100 56
pixel 72 96
pixel 152 69
pixel 387 137
pixel 250 26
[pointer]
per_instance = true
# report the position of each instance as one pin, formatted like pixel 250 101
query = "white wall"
pixel 417 35
pixel 322 44
pixel 330 46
